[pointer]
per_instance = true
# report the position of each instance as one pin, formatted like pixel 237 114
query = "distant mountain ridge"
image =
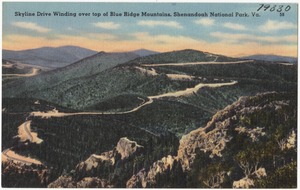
pixel 56 57
pixel 273 58
pixel 144 52
pixel 50 57
pixel 158 121
pixel 182 56
pixel 98 79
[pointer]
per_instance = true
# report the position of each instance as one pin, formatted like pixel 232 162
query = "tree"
pixel 215 175
pixel 248 161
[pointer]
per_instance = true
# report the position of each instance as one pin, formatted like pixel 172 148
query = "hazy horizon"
pixel 238 56
pixel 234 36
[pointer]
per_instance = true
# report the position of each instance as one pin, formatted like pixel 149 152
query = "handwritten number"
pixel 261 6
pixel 266 7
pixel 278 8
pixel 287 8
pixel 273 8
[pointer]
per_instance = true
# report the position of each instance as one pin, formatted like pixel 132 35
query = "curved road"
pixel 28 132
pixel 188 91
pixel 56 113
pixel 196 63
pixel 34 72
pixel 18 159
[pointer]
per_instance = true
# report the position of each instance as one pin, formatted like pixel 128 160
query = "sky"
pixel 268 33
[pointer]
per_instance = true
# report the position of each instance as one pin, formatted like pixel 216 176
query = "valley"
pixel 149 120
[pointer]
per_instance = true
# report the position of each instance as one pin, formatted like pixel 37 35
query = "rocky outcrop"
pixel 252 133
pixel 242 120
pixel 63 182
pixel 126 148
pixel 213 137
pixel 95 161
pixel 230 151
pixel 94 172
pixel 210 139
pixel 161 169
pixel 92 182
pixel 212 142
pixel 138 180
pixel 27 175
pixel 88 182
pixel 148 179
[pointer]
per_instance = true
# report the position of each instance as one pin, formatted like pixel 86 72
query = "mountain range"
pixel 56 57
pixel 272 58
pixel 48 57
pixel 183 118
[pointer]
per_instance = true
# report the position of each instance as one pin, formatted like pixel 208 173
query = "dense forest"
pixel 204 120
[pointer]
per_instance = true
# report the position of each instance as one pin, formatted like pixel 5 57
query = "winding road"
pixel 195 63
pixel 28 132
pixel 25 133
pixel 33 72
pixel 8 154
pixel 186 92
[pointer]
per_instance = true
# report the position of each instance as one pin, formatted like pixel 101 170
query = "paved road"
pixel 18 159
pixel 33 72
pixel 28 132
pixel 195 63
pixel 188 91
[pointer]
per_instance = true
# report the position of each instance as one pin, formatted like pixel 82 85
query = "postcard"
pixel 149 95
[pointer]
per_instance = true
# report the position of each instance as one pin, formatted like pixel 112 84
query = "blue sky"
pixel 234 36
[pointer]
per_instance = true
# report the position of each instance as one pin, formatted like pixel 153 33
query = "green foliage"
pixel 86 135
pixel 243 156
pixel 123 102
pixel 98 84
pixel 255 70
pixel 182 56
pixel 283 177
pixel 15 70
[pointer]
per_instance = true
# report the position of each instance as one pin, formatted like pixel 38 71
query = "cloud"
pixel 153 23
pixel 234 26
pixel 273 25
pixel 169 40
pixel 101 36
pixel 107 25
pixel 205 21
pixel 31 26
pixel 239 38
pixel 162 43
